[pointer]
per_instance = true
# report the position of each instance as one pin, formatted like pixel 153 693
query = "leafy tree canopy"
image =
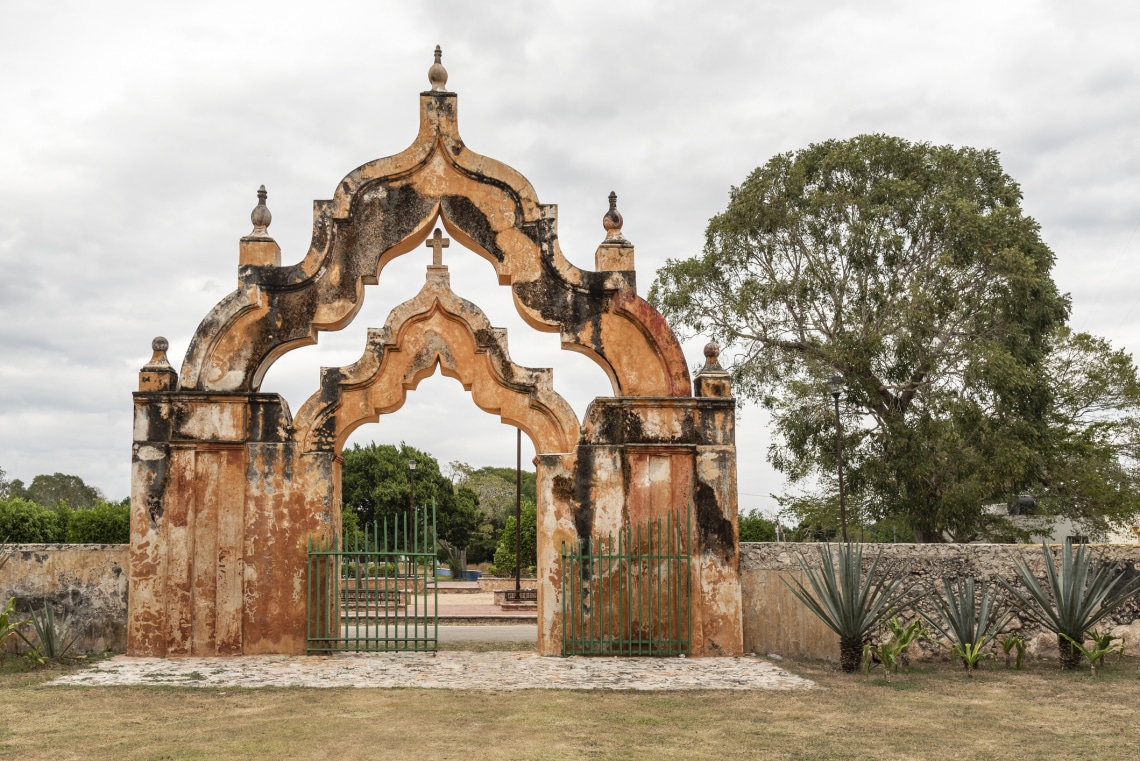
pixel 495 488
pixel 376 483
pixel 754 527
pixel 910 270
pixel 1092 475
pixel 60 487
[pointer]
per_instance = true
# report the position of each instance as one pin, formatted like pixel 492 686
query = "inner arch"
pixel 436 330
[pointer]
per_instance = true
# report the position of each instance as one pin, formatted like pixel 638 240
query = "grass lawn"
pixel 934 712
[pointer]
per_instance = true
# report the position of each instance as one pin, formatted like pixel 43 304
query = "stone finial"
pixel 712 379
pixel 158 375
pixel 260 216
pixel 158 359
pixel 437 75
pixel 613 221
pixel 712 356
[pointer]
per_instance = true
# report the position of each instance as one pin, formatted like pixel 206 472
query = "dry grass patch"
pixel 934 712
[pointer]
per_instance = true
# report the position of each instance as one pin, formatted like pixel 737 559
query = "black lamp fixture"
pixel 835 385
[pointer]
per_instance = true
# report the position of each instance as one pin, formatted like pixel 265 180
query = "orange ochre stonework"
pixel 228 486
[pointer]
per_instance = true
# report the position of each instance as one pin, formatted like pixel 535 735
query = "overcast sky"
pixel 133 137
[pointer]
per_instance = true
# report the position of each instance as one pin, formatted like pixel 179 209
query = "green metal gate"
pixel 380 592
pixel 632 596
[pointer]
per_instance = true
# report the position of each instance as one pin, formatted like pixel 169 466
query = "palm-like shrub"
pixel 970 621
pixel 1075 596
pixel 851 603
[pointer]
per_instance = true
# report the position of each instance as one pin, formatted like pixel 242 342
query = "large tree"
pixel 1091 475
pixel 911 270
pixel 57 488
pixel 495 488
pixel 376 484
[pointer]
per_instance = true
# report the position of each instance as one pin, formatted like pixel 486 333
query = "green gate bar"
pixel 632 596
pixel 358 596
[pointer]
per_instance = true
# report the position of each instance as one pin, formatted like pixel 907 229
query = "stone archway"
pixel 227 487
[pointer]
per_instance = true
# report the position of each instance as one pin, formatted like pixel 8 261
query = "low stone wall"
pixel 496 583
pixel 776 622
pixel 86 585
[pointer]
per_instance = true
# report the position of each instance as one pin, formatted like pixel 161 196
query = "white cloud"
pixel 135 134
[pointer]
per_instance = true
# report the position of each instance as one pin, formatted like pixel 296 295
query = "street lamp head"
pixel 411 465
pixel 835 384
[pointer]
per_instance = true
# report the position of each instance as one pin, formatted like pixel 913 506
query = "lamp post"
pixel 835 384
pixel 412 493
pixel 518 510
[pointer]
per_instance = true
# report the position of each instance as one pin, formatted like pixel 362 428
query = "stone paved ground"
pixel 445 670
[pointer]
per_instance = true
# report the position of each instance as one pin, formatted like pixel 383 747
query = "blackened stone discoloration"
pixel 489 341
pixel 583 503
pixel 621 426
pixel 713 529
pixel 623 420
pixel 269 418
pixel 562 489
pixel 157 414
pixel 152 480
pixel 465 215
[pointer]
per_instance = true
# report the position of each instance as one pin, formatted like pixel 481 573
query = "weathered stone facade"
pixel 86 585
pixel 228 486
pixel 776 622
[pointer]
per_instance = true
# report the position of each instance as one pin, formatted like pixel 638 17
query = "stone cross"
pixel 437 243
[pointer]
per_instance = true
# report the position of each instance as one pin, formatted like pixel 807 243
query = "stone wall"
pixel 496 583
pixel 776 622
pixel 86 585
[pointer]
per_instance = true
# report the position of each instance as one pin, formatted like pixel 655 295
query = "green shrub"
pixel 106 523
pixel 756 528
pixel 505 551
pixel 25 522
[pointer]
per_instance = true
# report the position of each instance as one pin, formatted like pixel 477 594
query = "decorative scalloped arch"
pixel 386 208
pixel 436 329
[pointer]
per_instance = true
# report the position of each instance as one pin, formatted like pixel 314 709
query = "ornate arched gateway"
pixel 228 488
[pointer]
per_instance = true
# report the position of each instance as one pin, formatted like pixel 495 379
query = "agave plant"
pixel 1075 597
pixel 50 644
pixel 970 623
pixel 851 603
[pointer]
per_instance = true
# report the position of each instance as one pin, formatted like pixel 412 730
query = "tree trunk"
pixel 850 655
pixel 1070 655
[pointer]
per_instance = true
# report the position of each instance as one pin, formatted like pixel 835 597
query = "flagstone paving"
pixel 445 670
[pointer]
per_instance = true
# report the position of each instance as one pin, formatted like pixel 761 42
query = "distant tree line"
pixel 60 508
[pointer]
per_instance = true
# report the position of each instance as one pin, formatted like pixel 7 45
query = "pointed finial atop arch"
pixel 260 215
pixel 437 75
pixel 613 221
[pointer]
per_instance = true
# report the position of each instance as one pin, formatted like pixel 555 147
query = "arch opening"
pixel 577 379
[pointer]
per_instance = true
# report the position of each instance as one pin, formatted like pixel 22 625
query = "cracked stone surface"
pixel 445 670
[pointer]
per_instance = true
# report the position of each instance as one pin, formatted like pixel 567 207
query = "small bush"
pixel 25 522
pixel 756 528
pixel 505 551
pixel 106 523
